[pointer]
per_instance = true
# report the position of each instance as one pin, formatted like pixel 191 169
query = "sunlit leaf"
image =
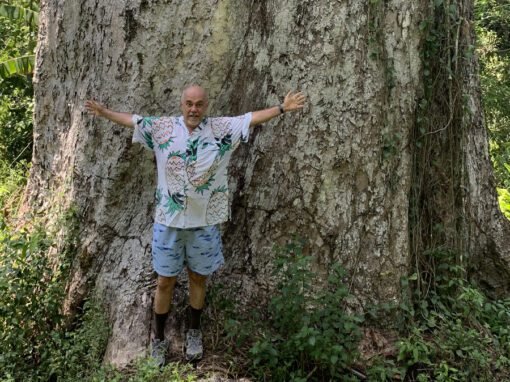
pixel 19 65
pixel 19 13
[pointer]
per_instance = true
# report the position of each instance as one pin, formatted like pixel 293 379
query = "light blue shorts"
pixel 199 248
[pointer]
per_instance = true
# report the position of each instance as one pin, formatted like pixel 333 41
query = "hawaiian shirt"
pixel 192 186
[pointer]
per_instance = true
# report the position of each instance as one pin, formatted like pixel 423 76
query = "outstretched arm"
pixel 292 101
pixel 94 107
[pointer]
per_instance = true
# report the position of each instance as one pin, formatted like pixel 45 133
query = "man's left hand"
pixel 293 101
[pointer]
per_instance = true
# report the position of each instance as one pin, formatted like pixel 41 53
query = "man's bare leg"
pixel 197 286
pixel 163 302
pixel 164 294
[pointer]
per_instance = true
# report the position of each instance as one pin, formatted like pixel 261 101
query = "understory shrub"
pixel 455 332
pixel 34 339
pixel 307 333
pixel 12 180
pixel 31 293
pixel 449 330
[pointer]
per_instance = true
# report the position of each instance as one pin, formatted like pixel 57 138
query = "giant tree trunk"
pixel 344 173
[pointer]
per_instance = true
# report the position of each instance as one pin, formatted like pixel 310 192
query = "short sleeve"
pixel 232 130
pixel 241 128
pixel 228 132
pixel 143 131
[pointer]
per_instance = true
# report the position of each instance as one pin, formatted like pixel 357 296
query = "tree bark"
pixel 342 173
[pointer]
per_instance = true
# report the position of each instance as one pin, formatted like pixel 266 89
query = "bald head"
pixel 194 90
pixel 194 104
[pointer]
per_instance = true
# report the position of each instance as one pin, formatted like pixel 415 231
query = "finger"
pixel 89 104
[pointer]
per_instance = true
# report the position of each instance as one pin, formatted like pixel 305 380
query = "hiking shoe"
pixel 194 348
pixel 158 351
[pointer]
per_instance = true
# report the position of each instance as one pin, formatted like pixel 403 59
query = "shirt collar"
pixel 200 127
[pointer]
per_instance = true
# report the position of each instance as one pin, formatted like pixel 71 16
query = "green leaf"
pixel 19 65
pixel 504 201
pixel 19 13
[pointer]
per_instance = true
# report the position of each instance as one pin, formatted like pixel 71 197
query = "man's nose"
pixel 193 108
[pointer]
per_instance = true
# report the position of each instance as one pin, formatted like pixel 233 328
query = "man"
pixel 192 154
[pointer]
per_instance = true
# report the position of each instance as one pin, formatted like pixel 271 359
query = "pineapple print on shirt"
pixel 192 188
pixel 217 208
pixel 222 135
pixel 162 129
pixel 200 180
pixel 176 182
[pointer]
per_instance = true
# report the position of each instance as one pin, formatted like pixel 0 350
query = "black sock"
pixel 194 318
pixel 160 325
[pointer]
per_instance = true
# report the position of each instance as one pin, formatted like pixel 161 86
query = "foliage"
pixel 31 293
pixel 18 26
pixel 78 353
pixel 17 12
pixel 449 330
pixel 455 333
pixel 307 334
pixel 19 32
pixel 17 65
pixel 504 201
pixel 34 337
pixel 382 370
pixel 12 180
pixel 20 20
pixel 493 31
pixel 146 372
pixel 16 107
pixel 33 276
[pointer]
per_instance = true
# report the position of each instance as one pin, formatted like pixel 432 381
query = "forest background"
pixel 22 272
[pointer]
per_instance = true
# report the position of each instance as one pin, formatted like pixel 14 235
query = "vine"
pixel 436 212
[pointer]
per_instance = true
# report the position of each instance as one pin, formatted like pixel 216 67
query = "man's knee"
pixel 196 278
pixel 166 283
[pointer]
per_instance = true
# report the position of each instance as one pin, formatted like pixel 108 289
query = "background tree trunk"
pixel 342 174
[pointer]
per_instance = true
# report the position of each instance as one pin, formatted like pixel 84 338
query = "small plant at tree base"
pixel 35 342
pixel 455 333
pixel 308 334
pixel 79 353
pixel 31 292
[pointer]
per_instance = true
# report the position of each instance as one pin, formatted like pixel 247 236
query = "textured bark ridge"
pixel 337 174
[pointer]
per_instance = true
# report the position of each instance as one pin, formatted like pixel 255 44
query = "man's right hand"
pixel 94 107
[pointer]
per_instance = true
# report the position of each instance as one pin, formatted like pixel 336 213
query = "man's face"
pixel 193 106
